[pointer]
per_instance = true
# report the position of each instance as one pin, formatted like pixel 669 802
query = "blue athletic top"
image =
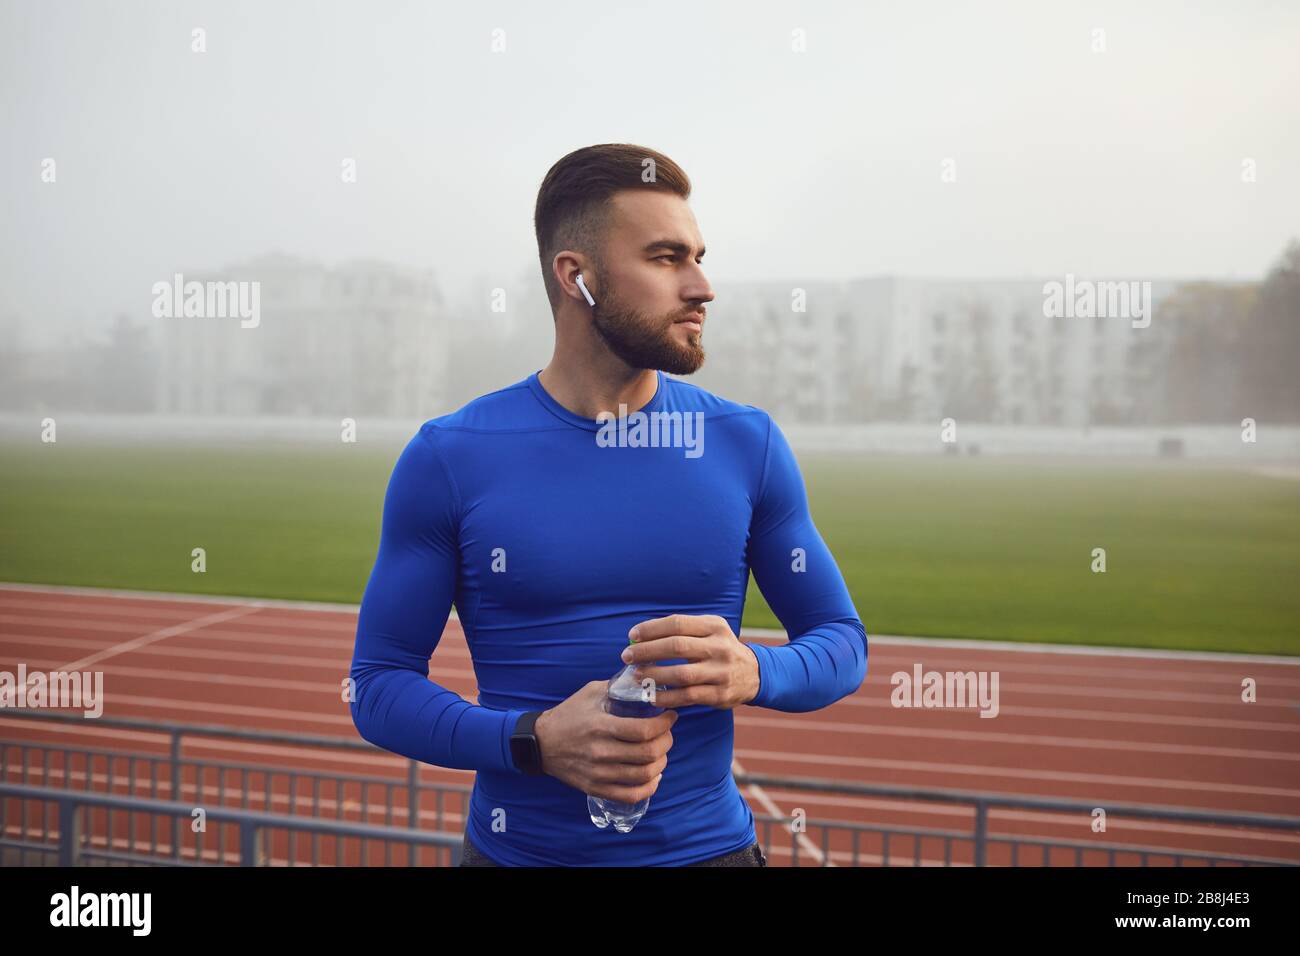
pixel 554 534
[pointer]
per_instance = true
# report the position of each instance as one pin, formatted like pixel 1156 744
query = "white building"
pixel 897 349
pixel 362 338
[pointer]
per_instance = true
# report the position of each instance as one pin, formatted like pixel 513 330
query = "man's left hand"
pixel 721 671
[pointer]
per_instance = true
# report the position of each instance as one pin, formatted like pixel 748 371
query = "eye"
pixel 666 256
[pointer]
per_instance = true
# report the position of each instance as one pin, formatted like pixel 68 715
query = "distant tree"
pixel 1270 345
pixel 1204 375
pixel 11 363
pixel 125 377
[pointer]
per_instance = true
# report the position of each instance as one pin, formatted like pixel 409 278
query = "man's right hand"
pixel 617 758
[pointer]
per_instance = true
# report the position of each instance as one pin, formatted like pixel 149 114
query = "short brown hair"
pixel 573 202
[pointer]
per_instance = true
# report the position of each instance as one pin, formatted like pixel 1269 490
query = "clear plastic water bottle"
pixel 627 697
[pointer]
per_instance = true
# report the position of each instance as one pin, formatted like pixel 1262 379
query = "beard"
pixel 644 341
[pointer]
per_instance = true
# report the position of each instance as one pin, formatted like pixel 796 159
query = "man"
pixel 562 528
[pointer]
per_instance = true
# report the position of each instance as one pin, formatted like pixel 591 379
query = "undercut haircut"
pixel 573 209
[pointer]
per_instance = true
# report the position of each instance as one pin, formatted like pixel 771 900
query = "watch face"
pixel 524 750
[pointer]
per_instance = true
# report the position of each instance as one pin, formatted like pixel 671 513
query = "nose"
pixel 699 291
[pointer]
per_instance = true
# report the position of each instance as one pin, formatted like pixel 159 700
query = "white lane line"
pixel 773 810
pixel 1065 776
pixel 862 697
pixel 1229 698
pixel 343 719
pixel 219 679
pixel 1026 647
pixel 275 629
pixel 1126 671
pixel 878 697
pixel 342 648
pixel 1037 740
pixel 785 724
pixel 1047 713
pixel 179 596
pixel 868 699
pixel 453 645
pixel 101 618
pixel 888 639
pixel 239 680
pixel 1114 716
pixel 335 663
pixel 268 713
pixel 158 635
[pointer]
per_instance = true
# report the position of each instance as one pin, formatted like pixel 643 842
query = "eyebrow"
pixel 676 245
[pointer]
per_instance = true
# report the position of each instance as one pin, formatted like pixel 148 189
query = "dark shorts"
pixel 750 856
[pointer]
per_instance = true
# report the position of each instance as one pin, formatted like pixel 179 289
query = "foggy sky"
pixel 824 164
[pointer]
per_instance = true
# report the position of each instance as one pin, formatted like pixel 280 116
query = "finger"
pixel 628 774
pixel 626 752
pixel 673 648
pixel 638 729
pixel 707 694
pixel 625 794
pixel 680 675
pixel 689 625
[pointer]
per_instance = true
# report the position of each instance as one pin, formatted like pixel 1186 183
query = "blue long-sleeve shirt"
pixel 553 538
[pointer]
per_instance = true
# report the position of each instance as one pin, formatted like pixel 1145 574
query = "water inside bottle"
pixel 627 697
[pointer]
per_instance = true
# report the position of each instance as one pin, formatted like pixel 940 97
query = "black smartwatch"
pixel 524 749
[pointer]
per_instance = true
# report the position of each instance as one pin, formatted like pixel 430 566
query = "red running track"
pixel 1102 726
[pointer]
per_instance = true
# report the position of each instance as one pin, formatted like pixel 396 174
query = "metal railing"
pixel 840 841
pixel 981 840
pixel 71 850
pixel 174 776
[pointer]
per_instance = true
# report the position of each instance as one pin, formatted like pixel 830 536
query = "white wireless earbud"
pixel 583 286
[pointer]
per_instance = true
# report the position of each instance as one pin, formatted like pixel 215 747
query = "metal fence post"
pixel 176 792
pixel 981 831
pixel 69 833
pixel 413 795
pixel 247 843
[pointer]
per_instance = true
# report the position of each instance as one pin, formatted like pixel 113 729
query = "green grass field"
pixel 1196 558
